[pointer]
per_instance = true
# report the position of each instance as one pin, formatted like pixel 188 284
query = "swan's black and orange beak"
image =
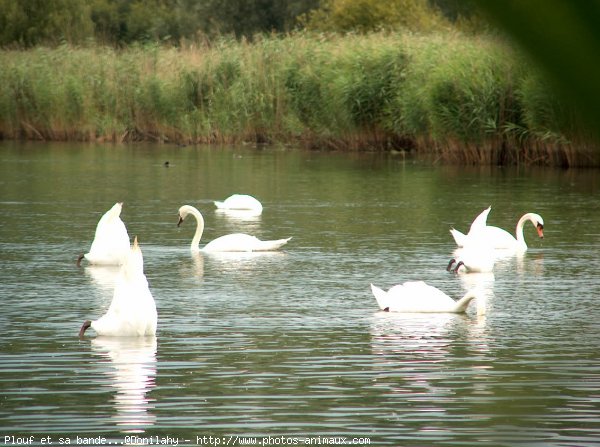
pixel 180 220
pixel 540 230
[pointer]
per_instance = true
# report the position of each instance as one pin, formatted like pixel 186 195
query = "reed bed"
pixel 463 99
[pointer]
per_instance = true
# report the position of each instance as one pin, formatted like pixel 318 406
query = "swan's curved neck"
pixel 462 304
pixel 195 245
pixel 519 230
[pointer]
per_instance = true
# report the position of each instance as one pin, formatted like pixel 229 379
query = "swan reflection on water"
pixel 243 215
pixel 228 261
pixel 419 354
pixel 132 374
pixel 242 262
pixel 413 333
pixel 103 276
pixel 412 350
pixel 242 256
pixel 197 267
pixel 484 284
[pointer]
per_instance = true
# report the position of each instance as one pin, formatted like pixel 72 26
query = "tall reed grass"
pixel 463 99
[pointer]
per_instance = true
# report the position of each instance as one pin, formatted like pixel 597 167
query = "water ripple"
pixel 292 343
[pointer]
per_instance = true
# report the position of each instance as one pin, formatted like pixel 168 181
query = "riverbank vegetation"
pixel 461 97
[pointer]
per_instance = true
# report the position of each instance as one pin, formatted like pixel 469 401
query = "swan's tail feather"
pixel 219 204
pixel 271 245
pixel 459 237
pixel 381 296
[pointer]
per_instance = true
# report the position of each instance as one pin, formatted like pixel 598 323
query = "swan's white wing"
pixel 243 242
pixel 419 285
pixel 270 245
pixel 480 221
pixel 232 242
pixel 459 238
pixel 427 294
pixel 496 237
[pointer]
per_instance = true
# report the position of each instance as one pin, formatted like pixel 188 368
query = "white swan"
pixel 132 311
pixel 497 237
pixel 229 242
pixel 111 241
pixel 240 202
pixel 418 297
pixel 503 239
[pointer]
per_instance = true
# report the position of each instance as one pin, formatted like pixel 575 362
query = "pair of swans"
pixel 132 311
pixel 419 297
pixel 495 237
pixel 475 254
pixel 477 249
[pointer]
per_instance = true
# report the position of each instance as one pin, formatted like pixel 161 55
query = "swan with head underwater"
pixel 476 256
pixel 111 241
pixel 497 237
pixel 132 311
pixel 240 202
pixel 236 242
pixel 419 297
pixel 471 261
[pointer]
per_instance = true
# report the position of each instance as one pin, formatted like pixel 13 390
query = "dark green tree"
pixel 121 22
pixel 249 17
pixel 372 15
pixel 33 22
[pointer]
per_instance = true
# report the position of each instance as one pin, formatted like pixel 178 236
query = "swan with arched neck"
pixel 231 242
pixel 499 238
